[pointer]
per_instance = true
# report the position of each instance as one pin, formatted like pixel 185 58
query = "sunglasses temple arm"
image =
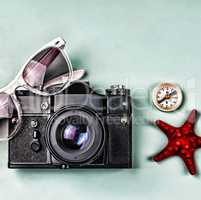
pixel 77 74
pixel 9 103
pixel 17 105
pixel 19 119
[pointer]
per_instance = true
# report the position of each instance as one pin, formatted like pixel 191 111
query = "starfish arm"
pixel 192 117
pixel 198 140
pixel 190 164
pixel 190 122
pixel 167 152
pixel 166 128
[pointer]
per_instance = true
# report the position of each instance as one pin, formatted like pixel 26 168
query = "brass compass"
pixel 167 97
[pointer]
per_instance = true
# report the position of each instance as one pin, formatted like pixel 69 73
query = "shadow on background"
pixel 140 108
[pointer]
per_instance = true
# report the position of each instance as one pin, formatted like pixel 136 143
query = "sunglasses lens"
pixel 8 115
pixel 49 71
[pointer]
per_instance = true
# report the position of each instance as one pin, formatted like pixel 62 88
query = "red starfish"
pixel 182 142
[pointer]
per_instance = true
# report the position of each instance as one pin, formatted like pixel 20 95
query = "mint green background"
pixel 137 43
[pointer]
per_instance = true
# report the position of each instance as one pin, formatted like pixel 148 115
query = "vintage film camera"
pixel 78 128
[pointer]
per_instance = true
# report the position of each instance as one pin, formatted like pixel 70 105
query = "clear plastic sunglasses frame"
pixel 8 98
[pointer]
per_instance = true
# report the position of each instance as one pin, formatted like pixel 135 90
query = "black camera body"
pixel 78 128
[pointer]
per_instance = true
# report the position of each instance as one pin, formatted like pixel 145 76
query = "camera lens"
pixel 75 135
pixel 73 138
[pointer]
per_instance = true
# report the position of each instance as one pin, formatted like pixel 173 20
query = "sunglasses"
pixel 48 72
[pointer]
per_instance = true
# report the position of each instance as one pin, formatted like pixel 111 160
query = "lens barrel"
pixel 75 134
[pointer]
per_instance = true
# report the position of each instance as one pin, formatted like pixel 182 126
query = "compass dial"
pixel 167 97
